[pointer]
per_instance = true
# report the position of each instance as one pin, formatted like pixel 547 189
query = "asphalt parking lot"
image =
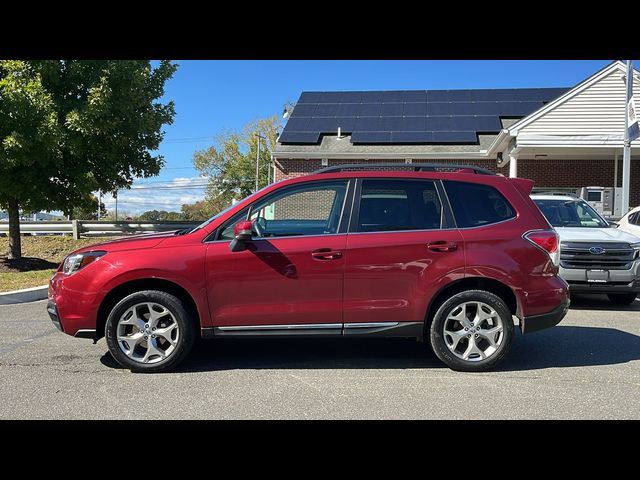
pixel 588 367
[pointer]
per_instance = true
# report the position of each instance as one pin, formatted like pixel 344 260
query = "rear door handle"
pixel 326 254
pixel 442 246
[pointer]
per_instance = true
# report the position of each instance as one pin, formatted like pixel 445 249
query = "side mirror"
pixel 242 233
pixel 242 230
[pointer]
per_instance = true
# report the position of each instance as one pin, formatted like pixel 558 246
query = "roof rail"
pixel 556 193
pixel 416 167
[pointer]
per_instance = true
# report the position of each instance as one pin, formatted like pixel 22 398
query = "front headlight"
pixel 73 263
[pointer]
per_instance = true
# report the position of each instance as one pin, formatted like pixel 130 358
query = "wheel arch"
pixel 471 283
pixel 119 292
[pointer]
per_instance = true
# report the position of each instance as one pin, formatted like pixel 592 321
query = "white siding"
pixel 597 110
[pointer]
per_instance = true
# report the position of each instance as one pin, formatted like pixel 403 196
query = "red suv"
pixel 444 256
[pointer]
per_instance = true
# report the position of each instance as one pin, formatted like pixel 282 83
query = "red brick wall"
pixel 546 173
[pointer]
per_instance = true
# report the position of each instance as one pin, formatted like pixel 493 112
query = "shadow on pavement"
pixel 562 346
pixel 600 302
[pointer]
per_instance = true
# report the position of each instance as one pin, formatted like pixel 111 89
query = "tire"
pixel 492 341
pixel 621 298
pixel 132 318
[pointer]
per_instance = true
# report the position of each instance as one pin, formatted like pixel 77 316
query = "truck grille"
pixel 616 256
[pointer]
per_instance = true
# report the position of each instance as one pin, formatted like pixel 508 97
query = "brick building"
pixel 562 138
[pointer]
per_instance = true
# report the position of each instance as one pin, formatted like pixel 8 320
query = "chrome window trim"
pixel 282 237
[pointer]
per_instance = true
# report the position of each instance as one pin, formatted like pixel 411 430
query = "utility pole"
pixel 115 195
pixel 626 157
pixel 99 197
pixel 258 160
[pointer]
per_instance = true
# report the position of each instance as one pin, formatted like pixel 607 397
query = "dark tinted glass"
pixel 391 205
pixel 475 205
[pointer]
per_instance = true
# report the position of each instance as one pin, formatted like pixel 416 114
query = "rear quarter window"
pixel 477 205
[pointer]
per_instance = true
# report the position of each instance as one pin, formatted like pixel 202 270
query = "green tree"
pixel 231 162
pixel 160 216
pixel 203 209
pixel 29 133
pixel 71 127
pixel 89 210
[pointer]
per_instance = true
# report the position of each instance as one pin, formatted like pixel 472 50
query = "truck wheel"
pixel 621 298
pixel 150 331
pixel 472 331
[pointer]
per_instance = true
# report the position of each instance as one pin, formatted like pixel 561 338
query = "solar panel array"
pixel 410 116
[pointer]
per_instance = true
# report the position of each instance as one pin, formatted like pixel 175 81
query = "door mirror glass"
pixel 242 231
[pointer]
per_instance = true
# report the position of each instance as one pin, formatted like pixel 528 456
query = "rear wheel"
pixel 621 298
pixel 150 331
pixel 472 331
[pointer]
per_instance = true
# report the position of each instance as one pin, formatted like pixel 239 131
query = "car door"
pixel 291 273
pixel 402 248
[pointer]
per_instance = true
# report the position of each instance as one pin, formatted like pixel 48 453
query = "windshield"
pixel 570 213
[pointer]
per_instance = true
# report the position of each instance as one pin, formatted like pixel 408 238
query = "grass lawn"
pixel 41 257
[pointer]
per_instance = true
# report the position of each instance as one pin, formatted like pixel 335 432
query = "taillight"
pixel 546 240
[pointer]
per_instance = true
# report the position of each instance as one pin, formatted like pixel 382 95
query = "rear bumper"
pixel 534 323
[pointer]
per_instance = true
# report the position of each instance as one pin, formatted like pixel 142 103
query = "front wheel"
pixel 150 331
pixel 622 298
pixel 472 331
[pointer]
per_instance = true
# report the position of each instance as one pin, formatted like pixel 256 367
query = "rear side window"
pixel 476 205
pixel 634 218
pixel 394 205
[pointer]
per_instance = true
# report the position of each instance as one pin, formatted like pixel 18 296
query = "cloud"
pixel 158 195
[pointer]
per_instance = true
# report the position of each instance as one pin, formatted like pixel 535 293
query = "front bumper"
pixel 52 310
pixel 534 323
pixel 617 281
pixel 584 287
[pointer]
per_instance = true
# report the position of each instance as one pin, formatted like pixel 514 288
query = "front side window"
pixel 395 205
pixel 309 209
pixel 570 213
pixel 476 205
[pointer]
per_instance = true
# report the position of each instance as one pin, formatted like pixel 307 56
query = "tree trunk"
pixel 15 249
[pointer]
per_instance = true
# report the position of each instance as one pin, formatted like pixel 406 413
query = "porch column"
pixel 513 165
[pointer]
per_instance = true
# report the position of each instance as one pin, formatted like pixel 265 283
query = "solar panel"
pixel 438 124
pixel 321 124
pixel 410 116
pixel 371 137
pixel 419 109
pixel 391 109
pixel 326 110
pixel 351 97
pixel 454 137
pixel 438 108
pixel 412 137
pixel 389 124
pixel 346 124
pixel 393 97
pixel 348 110
pixel 372 97
pixel 369 109
pixel 414 124
pixel 419 96
pixel 303 110
pixel 448 95
pixel 367 124
pixel 299 137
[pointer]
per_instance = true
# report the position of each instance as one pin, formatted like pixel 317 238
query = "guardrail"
pixel 88 228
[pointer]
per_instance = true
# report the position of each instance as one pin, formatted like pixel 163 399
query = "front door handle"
pixel 326 254
pixel 442 246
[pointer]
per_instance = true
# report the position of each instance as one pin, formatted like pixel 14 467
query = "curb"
pixel 24 296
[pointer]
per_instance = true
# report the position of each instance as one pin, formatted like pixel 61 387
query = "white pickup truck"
pixel 595 257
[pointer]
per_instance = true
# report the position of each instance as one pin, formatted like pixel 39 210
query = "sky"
pixel 212 97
